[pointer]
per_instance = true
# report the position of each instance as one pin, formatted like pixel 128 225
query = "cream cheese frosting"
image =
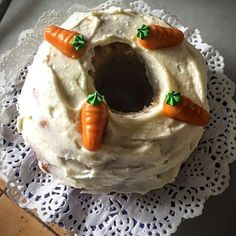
pixel 141 151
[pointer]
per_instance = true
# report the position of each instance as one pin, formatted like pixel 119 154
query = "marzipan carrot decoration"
pixel 181 108
pixel 69 42
pixel 155 36
pixel 94 115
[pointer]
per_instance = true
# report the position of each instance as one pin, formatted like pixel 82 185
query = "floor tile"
pixel 2 184
pixel 59 230
pixel 15 221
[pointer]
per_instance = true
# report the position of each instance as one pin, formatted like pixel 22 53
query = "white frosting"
pixel 141 151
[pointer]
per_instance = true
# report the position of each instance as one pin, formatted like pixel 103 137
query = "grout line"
pixel 4 191
pixel 1 193
pixel 38 219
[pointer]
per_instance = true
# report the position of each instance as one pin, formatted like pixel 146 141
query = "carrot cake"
pixel 114 101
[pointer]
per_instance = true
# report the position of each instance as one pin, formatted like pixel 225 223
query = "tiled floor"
pixel 15 221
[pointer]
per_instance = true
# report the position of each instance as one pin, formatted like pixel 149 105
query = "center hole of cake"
pixel 121 77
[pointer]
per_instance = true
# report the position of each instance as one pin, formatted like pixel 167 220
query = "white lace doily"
pixel 159 212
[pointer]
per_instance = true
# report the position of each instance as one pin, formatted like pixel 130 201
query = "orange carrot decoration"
pixel 94 115
pixel 69 42
pixel 183 109
pixel 155 36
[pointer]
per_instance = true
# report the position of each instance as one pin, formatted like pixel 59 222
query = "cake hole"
pixel 121 77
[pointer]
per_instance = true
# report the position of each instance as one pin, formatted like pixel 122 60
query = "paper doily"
pixel 160 211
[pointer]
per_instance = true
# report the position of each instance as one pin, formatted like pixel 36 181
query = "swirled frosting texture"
pixel 141 151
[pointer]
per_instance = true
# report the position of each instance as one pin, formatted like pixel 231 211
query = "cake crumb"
pixel 43 123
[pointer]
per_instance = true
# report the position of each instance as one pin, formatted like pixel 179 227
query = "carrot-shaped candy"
pixel 155 36
pixel 181 108
pixel 69 42
pixel 94 115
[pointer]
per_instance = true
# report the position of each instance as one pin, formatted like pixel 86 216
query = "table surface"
pixel 216 20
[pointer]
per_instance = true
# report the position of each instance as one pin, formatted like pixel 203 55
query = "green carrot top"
pixel 78 41
pixel 143 32
pixel 173 98
pixel 95 98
